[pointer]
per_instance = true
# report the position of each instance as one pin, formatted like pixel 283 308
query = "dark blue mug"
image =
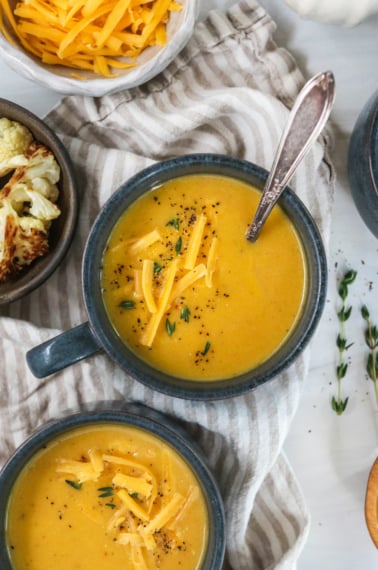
pixel 98 334
pixel 363 163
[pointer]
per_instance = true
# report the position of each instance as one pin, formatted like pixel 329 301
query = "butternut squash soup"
pixel 188 293
pixel 107 497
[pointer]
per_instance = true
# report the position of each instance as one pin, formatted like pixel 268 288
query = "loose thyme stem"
pixel 371 339
pixel 338 404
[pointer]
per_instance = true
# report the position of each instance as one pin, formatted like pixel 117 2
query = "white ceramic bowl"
pixel 151 61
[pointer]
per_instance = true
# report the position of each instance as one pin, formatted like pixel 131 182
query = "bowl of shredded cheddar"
pixel 93 48
pixel 119 484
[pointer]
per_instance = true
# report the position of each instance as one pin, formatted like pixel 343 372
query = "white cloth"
pixel 227 92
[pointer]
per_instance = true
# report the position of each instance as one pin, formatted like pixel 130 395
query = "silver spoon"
pixel 306 120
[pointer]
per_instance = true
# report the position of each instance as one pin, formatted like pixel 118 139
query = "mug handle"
pixel 61 351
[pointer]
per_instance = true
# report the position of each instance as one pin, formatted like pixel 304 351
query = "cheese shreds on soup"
pixel 107 497
pixel 188 293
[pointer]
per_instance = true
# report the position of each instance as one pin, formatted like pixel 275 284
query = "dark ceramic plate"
pixel 62 229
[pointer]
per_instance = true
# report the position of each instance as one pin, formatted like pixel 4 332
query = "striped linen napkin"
pixel 227 92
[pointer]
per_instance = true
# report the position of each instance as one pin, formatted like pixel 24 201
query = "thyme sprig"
pixel 371 339
pixel 338 404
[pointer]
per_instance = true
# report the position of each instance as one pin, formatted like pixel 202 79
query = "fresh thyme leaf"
pixel 334 404
pixel 344 314
pixel 106 494
pixel 370 365
pixel 341 370
pixel 175 222
pixel 206 349
pixel 127 304
pixel 340 342
pixel 178 245
pixel 74 484
pixel 349 277
pixel 185 314
pixel 110 505
pixel 157 267
pixel 133 495
pixel 371 337
pixel 105 489
pixel 365 312
pixel 371 340
pixel 170 327
pixel 343 291
pixel 339 405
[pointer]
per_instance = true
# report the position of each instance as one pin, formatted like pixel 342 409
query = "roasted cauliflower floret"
pixel 14 141
pixel 27 207
pixel 42 171
pixel 22 239
pixel 33 203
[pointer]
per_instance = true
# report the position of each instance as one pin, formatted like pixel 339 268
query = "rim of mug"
pixel 103 330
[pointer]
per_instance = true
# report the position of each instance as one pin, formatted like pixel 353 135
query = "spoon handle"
pixel 306 120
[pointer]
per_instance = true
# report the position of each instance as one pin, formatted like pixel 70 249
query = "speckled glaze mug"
pixel 363 163
pixel 98 334
pixel 120 414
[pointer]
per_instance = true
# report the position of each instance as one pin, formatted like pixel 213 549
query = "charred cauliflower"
pixel 27 207
pixel 14 141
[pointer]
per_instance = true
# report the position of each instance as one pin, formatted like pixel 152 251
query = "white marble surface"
pixel 330 455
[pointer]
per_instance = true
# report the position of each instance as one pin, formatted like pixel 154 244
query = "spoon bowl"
pixel 306 121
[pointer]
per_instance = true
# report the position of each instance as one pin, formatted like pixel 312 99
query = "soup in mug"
pixel 187 292
pixel 107 497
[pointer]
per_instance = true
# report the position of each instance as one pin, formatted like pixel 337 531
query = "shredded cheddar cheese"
pixel 133 538
pixel 132 505
pixel 188 280
pixel 138 289
pixel 154 322
pixel 98 35
pixel 195 242
pixel 165 263
pixel 166 514
pixel 211 261
pixel 96 460
pixel 191 497
pixel 177 273
pixel 82 471
pixel 147 278
pixel 133 484
pixel 145 507
pixel 145 241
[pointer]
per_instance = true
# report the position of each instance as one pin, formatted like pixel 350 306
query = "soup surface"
pixel 188 293
pixel 107 497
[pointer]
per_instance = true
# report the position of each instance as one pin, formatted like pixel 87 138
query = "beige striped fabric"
pixel 227 92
